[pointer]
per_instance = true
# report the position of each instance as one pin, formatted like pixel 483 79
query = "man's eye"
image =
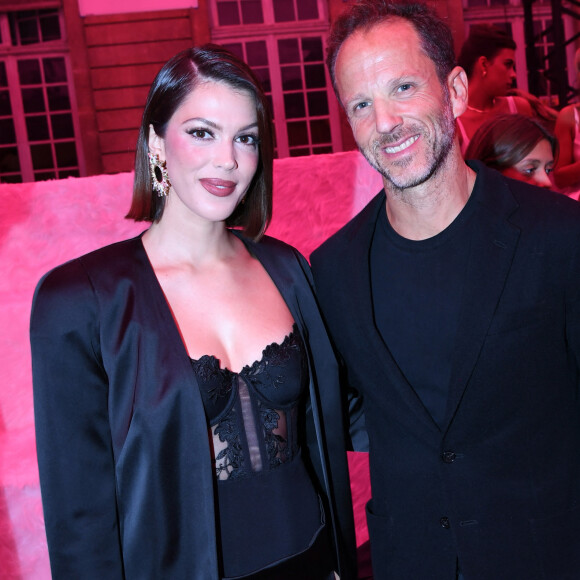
pixel 404 87
pixel 362 105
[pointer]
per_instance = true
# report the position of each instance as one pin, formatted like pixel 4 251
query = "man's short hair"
pixel 435 35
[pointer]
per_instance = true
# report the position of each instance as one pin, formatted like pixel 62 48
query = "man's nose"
pixel 387 116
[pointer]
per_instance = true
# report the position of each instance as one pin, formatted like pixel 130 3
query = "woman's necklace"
pixel 476 110
pixel 482 110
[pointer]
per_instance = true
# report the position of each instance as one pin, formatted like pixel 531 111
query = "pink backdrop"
pixel 44 224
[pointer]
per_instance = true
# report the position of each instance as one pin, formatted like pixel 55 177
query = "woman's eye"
pixel 200 133
pixel 404 87
pixel 248 139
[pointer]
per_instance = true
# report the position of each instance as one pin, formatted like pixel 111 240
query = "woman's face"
pixel 501 72
pixel 212 153
pixel 535 167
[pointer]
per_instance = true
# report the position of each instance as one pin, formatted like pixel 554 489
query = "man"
pixel 454 300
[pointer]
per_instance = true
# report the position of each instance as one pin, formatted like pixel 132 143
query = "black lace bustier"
pixel 253 413
pixel 268 507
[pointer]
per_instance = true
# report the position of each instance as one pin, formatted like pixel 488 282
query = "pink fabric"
pixel 44 224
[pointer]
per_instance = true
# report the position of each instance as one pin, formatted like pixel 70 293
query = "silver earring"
pixel 159 176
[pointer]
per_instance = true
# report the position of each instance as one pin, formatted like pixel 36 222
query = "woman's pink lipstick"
pixel 218 187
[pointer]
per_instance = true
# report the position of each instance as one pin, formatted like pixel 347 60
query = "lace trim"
pixel 270 351
pixel 251 434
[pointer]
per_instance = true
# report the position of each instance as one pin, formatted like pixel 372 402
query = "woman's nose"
pixel 225 156
pixel 542 179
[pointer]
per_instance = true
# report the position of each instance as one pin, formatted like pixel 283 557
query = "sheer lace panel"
pixel 253 413
pixel 249 426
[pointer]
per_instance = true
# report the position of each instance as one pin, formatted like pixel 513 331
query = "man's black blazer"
pixel 499 485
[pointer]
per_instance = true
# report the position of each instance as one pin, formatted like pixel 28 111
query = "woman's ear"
pixel 156 144
pixel 483 65
pixel 457 86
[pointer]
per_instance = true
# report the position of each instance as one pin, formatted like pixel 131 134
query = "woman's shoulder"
pixel 278 256
pixel 521 105
pixel 277 245
pixel 101 262
pixel 512 104
pixel 566 121
pixel 567 113
pixel 117 251
pixel 268 245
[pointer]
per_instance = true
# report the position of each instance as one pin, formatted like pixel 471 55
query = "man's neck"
pixel 424 211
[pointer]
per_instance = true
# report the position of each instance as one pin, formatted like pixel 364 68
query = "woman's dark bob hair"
pixel 174 82
pixel 504 140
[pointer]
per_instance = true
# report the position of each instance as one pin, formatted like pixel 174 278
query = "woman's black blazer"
pixel 123 451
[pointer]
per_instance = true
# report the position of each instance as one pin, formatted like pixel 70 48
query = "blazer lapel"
pixel 493 246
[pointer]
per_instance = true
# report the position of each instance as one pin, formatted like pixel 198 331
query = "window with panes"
pixel 38 125
pixel 283 42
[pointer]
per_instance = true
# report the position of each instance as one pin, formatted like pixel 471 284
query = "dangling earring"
pixel 159 176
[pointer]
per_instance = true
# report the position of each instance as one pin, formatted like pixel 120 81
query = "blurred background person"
pixel 567 170
pixel 488 57
pixel 517 146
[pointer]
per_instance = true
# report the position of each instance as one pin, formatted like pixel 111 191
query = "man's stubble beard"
pixel 437 152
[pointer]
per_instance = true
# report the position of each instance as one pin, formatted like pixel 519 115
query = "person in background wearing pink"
pixel 567 170
pixel 488 58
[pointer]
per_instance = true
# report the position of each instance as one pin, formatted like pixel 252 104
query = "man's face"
pixel 401 116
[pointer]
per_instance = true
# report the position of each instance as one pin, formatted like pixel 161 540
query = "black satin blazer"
pixel 123 451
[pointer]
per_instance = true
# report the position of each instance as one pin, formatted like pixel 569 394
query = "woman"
pixel 187 412
pixel 488 57
pixel 517 146
pixel 567 170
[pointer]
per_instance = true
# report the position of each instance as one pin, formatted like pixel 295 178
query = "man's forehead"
pixel 381 31
pixel 383 36
pixel 393 43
